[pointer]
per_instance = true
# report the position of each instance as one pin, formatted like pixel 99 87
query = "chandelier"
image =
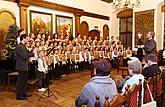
pixel 126 4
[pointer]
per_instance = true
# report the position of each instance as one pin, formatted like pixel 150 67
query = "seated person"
pixel 151 66
pixel 164 57
pixel 135 69
pixel 119 83
pixel 101 84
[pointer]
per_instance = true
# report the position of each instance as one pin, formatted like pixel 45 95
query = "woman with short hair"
pixel 135 69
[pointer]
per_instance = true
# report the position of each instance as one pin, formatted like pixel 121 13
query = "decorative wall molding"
pixel 163 8
pixel 77 23
pixel 55 6
pixel 11 0
pixel 8 11
pixel 125 13
pixel 60 7
pixel 95 15
pixel 24 4
pixel 23 15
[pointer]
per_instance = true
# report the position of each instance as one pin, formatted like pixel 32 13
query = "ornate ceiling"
pixel 108 1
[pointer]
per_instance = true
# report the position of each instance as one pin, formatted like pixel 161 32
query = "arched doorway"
pixel 105 31
pixel 84 29
pixel 94 33
pixel 7 18
pixel 125 27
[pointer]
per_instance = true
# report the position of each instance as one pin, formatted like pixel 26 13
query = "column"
pixel 77 23
pixel 23 4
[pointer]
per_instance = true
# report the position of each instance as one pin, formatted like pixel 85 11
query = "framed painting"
pixel 64 26
pixel 40 22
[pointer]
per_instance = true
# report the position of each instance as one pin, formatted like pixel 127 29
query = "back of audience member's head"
pixel 135 66
pixel 102 67
pixel 152 57
pixel 119 82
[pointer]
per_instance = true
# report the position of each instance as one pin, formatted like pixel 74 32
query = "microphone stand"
pixel 49 92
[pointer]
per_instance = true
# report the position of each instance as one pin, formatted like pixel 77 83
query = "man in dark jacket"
pixel 151 66
pixel 22 56
pixel 150 45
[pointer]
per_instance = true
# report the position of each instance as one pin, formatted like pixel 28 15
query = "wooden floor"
pixel 65 89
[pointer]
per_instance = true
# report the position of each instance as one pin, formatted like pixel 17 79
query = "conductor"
pixel 22 56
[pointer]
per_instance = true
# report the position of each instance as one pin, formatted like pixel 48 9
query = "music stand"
pixel 49 92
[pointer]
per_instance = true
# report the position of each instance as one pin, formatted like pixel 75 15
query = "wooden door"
pixel 94 33
pixel 105 32
pixel 84 29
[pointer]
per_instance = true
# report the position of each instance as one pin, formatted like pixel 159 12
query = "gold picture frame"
pixel 40 22
pixel 64 26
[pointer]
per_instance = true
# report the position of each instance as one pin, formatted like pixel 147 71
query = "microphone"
pixel 50 50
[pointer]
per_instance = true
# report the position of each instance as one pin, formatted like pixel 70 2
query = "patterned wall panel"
pixel 144 22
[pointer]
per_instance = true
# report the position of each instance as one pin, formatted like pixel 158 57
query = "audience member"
pixel 135 69
pixel 151 66
pixel 164 57
pixel 119 83
pixel 101 84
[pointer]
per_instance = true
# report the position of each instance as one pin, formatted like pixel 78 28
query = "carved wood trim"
pixel 125 13
pixel 24 17
pixel 11 0
pixel 55 6
pixel 77 23
pixel 163 8
pixel 23 4
pixel 95 15
pixel 60 7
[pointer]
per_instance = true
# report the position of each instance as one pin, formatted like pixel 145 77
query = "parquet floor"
pixel 65 89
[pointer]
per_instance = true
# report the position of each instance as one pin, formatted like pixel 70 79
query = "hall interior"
pixel 91 18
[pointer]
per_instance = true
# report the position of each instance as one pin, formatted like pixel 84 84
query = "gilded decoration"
pixel 144 22
pixel 7 18
pixel 163 8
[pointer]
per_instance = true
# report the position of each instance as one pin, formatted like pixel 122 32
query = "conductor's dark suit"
pixel 22 56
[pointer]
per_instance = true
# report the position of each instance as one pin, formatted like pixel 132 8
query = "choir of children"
pixel 62 56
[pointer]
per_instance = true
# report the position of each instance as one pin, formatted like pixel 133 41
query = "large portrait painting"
pixel 40 22
pixel 64 26
pixel 144 22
